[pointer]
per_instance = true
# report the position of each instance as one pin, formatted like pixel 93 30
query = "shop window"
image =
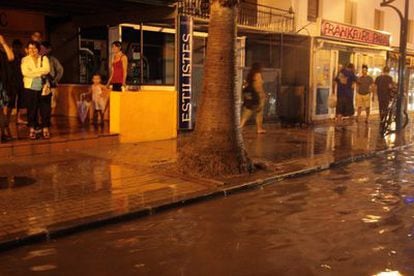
pixel 131 46
pixel 158 58
pixel 350 12
pixel 93 53
pixel 410 34
pixel 313 10
pixel 379 20
pixel 411 89
pixel 153 63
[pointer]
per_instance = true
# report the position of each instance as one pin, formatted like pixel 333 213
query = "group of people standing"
pixel 28 78
pixel 366 88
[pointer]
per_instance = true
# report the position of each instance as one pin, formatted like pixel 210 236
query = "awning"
pixel 147 14
pixel 81 7
pixel 333 43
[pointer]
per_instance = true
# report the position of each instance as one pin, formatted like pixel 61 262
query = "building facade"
pixel 286 36
pixel 329 53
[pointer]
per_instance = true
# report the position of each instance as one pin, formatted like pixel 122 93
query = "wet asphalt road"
pixel 352 220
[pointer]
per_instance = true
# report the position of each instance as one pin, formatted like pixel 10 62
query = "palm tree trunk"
pixel 216 146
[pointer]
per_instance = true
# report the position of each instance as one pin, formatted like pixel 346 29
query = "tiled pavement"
pixel 47 194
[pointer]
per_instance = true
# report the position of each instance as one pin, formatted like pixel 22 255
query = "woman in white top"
pixel 33 68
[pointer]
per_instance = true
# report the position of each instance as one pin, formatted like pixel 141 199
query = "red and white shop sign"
pixel 354 34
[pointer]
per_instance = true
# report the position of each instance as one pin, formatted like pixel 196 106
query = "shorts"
pixel 117 87
pixel 11 104
pixel 363 101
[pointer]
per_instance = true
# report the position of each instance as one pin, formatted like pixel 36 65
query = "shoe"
pixel 261 131
pixel 46 133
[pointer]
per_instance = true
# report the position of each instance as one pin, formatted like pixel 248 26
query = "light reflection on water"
pixel 389 273
pixel 353 220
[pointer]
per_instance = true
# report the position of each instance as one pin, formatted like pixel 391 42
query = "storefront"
pixel 165 68
pixel 81 39
pixel 338 45
pixel 286 62
pixel 147 110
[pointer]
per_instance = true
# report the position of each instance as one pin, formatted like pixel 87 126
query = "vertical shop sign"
pixel 185 45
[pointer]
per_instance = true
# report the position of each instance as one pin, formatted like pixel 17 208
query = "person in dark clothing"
pixel 384 85
pixel 16 79
pixel 6 56
pixel 345 81
pixel 56 73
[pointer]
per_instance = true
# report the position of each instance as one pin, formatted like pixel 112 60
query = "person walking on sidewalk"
pixel 384 85
pixel 255 83
pixel 34 67
pixel 363 95
pixel 345 81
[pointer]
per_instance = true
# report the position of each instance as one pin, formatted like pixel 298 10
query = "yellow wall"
pixel 144 116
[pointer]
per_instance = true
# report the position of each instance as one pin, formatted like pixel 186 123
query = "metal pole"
pixel 401 67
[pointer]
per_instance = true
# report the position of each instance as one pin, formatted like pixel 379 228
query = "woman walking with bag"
pixel 33 68
pixel 255 102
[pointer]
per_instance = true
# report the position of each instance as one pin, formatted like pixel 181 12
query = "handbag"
pixel 250 97
pixel 332 100
pixel 46 89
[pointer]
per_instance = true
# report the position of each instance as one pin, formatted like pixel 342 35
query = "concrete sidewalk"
pixel 45 196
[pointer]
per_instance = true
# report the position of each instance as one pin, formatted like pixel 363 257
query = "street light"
pixel 403 54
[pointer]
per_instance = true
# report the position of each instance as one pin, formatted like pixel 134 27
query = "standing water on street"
pixel 352 220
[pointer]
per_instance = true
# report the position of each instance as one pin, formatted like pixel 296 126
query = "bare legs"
pixel 367 112
pixel 247 113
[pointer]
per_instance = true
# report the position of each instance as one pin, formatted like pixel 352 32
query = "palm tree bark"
pixel 216 147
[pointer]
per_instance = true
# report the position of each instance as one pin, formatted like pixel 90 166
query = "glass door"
pixel 410 89
pixel 325 70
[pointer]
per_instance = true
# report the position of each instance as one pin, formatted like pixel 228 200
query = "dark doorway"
pixel 344 58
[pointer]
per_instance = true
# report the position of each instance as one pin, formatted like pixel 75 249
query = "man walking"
pixel 363 96
pixel 384 84
pixel 345 93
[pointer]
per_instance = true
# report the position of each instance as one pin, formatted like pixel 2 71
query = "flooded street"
pixel 351 220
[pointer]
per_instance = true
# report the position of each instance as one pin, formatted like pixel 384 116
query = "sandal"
pixel 32 134
pixel 46 133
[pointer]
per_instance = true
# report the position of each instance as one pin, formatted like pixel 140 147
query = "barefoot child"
pixel 99 98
